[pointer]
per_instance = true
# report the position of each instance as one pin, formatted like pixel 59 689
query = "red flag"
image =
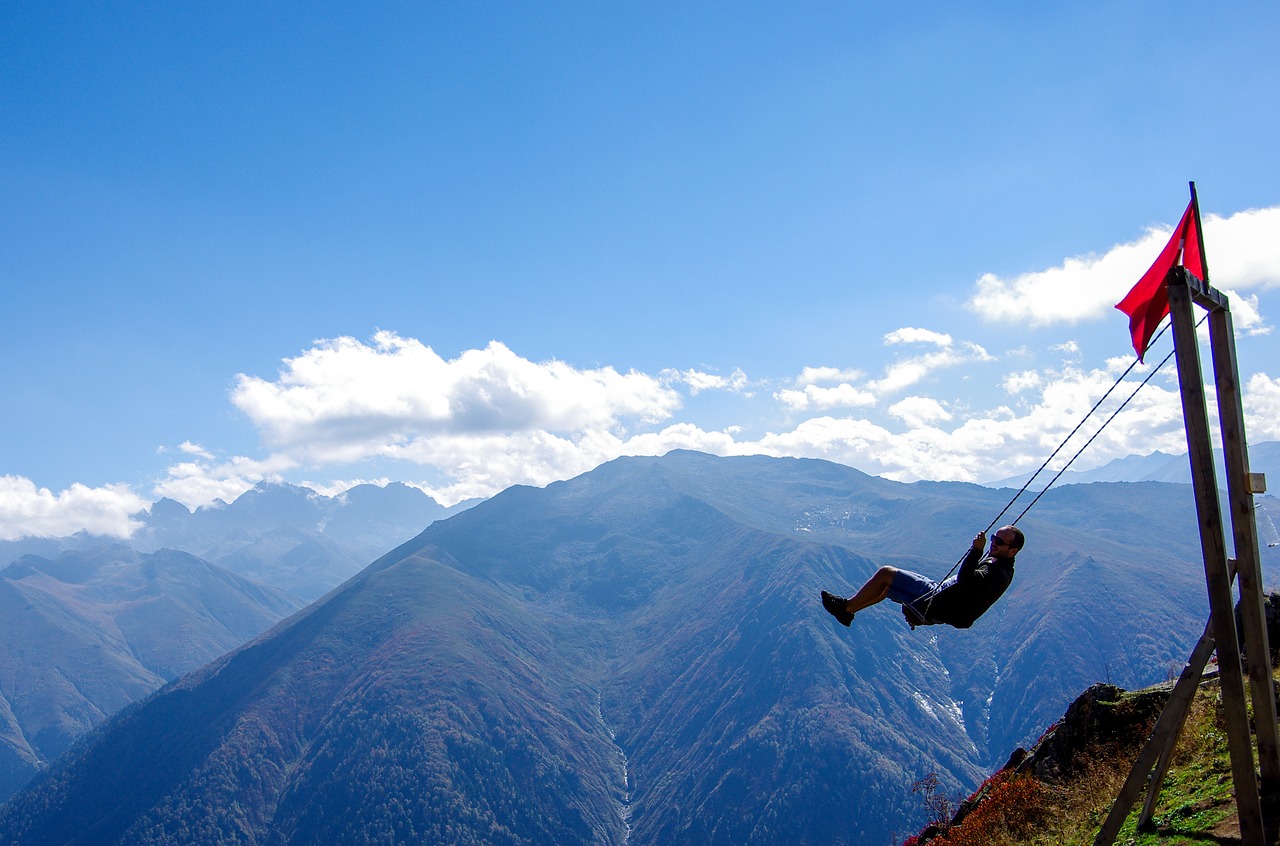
pixel 1147 303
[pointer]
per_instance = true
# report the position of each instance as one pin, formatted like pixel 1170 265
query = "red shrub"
pixel 1013 805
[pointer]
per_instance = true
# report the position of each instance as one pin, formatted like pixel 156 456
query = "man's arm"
pixel 972 557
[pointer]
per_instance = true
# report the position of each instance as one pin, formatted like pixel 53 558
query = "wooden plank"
pixel 1164 735
pixel 1213 549
pixel 1245 535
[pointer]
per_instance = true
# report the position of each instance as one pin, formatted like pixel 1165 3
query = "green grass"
pixel 1197 793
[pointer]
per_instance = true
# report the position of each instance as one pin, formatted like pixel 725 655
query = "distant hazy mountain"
pixel 638 656
pixel 1157 467
pixel 284 535
pixel 302 562
pixel 299 542
pixel 86 633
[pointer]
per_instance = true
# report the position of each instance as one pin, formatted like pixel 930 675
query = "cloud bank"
pixel 474 425
pixel 1245 257
pixel 489 418
pixel 28 511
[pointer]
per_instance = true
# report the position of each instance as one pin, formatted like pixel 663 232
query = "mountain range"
pixel 638 656
pixel 1264 457
pixel 86 633
pixel 287 536
pixel 90 624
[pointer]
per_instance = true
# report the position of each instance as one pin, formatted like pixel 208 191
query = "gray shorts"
pixel 908 587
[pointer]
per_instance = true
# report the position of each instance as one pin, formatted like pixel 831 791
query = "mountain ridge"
pixel 1264 457
pixel 274 538
pixel 637 655
pixel 285 535
pixel 88 632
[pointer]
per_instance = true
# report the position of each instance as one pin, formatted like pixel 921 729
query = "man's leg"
pixel 902 586
pixel 875 590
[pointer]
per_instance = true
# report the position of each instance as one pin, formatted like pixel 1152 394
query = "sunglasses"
pixel 999 541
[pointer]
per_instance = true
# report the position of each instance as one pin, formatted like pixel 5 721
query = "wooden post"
pixel 1245 535
pixel 1213 549
pixel 1184 289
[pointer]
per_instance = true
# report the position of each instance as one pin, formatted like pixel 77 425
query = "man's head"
pixel 1006 542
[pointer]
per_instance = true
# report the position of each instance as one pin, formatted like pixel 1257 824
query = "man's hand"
pixel 980 541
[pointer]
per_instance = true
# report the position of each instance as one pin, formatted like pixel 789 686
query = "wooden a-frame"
pixel 1253 795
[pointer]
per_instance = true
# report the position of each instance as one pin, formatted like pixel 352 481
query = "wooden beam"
pixel 1202 293
pixel 1245 536
pixel 1213 549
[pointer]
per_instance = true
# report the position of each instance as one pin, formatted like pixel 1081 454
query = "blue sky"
pixel 473 245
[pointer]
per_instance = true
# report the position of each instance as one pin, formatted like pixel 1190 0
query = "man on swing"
pixel 957 601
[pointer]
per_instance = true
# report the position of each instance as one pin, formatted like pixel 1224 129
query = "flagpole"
pixel 1204 260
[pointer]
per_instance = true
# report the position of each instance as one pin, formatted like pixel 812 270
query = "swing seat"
pixel 915 618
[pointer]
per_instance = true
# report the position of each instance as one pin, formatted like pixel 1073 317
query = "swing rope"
pixel 929 597
pixel 1092 437
pixel 1119 408
pixel 1072 434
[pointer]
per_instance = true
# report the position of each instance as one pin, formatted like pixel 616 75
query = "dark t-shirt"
pixel 968 594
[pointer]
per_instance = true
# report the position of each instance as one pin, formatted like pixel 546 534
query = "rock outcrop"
pixel 1104 717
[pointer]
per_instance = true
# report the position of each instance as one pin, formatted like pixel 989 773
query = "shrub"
pixel 1012 808
pixel 939 806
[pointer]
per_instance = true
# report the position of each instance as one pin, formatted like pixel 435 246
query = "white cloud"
pixel 489 419
pixel 1262 408
pixel 28 511
pixel 339 487
pixel 482 465
pixel 821 375
pixel 1000 441
pixel 1246 315
pixel 909 335
pixel 859 443
pixel 1022 380
pixel 815 397
pixel 810 394
pixel 195 483
pixel 344 402
pixel 920 436
pixel 1243 254
pixel 904 373
pixel 919 412
pixel 477 424
pixel 195 449
pixel 348 397
pixel 814 391
pixel 1243 250
pixel 698 381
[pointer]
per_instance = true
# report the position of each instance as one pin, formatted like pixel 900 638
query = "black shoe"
pixel 835 606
